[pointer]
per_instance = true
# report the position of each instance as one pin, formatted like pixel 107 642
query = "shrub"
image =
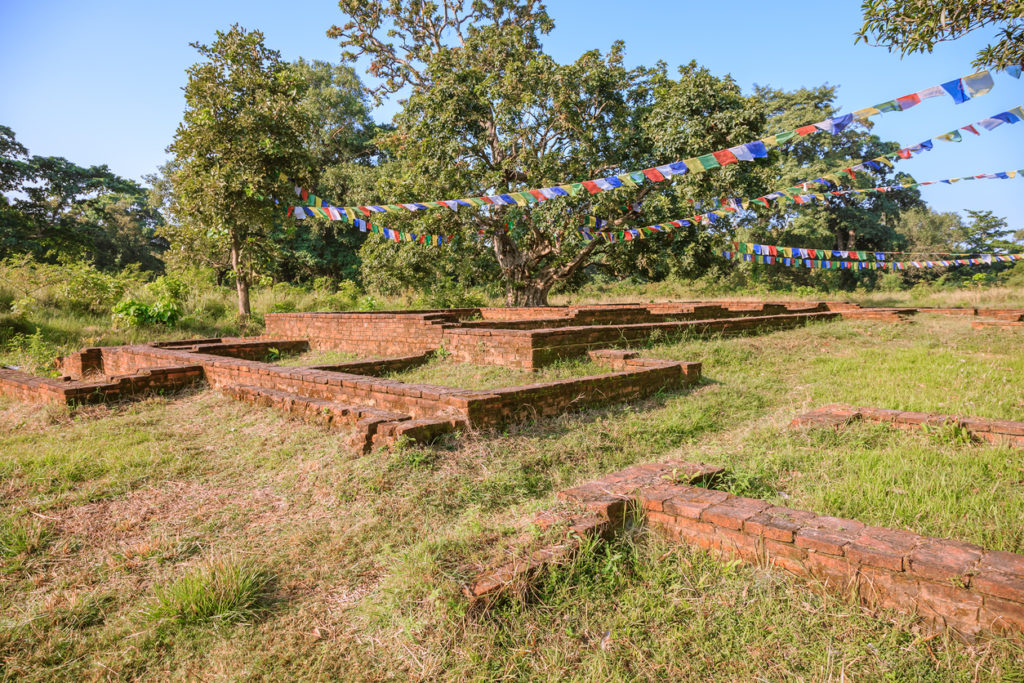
pixel 33 353
pixel 446 293
pixel 225 591
pixel 135 313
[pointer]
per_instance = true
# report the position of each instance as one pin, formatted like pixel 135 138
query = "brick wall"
pixel 371 333
pixel 838 415
pixel 32 389
pixel 949 583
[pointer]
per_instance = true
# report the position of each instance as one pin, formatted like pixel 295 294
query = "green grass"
pixel 368 553
pixel 445 372
pixel 224 591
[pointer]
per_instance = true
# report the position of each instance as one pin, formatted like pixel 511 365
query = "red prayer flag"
pixel 908 101
pixel 806 130
pixel 591 186
pixel 904 153
pixel 972 129
pixel 653 174
pixel 366 211
pixel 536 193
pixel 724 157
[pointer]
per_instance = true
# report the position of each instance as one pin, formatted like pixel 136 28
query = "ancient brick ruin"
pixel 837 415
pixel 954 584
pixel 950 584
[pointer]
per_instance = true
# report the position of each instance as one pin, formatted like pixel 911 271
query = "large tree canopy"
pixel 58 209
pixel 489 111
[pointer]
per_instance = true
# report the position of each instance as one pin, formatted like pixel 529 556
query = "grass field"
pixel 192 536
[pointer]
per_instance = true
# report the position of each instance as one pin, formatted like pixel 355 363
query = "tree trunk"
pixel 241 279
pixel 530 293
pixel 526 283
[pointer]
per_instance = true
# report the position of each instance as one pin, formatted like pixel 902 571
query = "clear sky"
pixel 100 82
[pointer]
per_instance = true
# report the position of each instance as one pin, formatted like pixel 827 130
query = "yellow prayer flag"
pixel 865 113
pixel 694 165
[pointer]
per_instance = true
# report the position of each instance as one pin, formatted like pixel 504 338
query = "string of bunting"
pixel 960 89
pixel 597 228
pixel 830 264
pixel 742 248
pixel 795 194
pixel 368 227
pixel 799 195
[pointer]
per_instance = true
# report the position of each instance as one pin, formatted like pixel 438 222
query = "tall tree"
pixel 489 111
pixel 239 147
pixel 909 26
pixel 985 233
pixel 926 230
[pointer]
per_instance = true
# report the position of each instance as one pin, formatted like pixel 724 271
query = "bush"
pixel 446 293
pixel 32 353
pixel 69 285
pixel 136 313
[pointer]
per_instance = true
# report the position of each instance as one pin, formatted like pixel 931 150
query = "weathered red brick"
pixel 731 513
pixel 944 560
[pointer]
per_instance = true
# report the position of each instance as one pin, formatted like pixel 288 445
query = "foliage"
pixel 855 221
pixel 70 285
pixel 239 146
pixel 135 313
pixel 60 211
pixel 488 109
pixel 34 353
pixel 339 135
pixel 910 26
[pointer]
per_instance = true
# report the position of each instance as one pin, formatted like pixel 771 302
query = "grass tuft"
pixel 23 538
pixel 228 591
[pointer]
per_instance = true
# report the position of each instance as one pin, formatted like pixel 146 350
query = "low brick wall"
pixel 32 389
pixel 378 366
pixel 949 583
pixel 369 333
pixel 997 325
pixel 502 336
pixel 344 390
pixel 549 346
pixel 838 415
pixel 1004 314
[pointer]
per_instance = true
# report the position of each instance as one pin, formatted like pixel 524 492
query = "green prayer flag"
pixel 708 161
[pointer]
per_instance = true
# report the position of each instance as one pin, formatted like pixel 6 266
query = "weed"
pixel 949 433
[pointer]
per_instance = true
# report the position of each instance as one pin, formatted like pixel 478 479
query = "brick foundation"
pixel 948 583
pixel 352 394
pixel 530 338
pixel 155 379
pixel 838 415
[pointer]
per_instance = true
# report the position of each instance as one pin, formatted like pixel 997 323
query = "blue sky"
pixel 100 82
